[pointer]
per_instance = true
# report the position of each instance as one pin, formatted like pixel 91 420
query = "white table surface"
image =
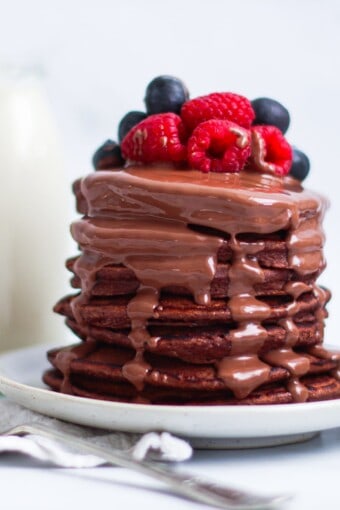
pixel 308 470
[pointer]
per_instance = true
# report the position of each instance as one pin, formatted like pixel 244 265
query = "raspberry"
pixel 219 105
pixel 219 146
pixel 156 138
pixel 270 150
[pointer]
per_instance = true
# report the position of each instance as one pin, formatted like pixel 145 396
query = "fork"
pixel 187 485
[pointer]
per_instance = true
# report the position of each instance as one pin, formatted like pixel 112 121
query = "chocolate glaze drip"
pixel 160 254
pixel 64 359
pixel 242 374
pixel 298 391
pixel 142 217
pixel 297 365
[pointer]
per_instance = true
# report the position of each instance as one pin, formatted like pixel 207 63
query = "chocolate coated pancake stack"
pixel 196 288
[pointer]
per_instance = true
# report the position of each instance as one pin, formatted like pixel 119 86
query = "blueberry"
pixel 165 94
pixel 108 156
pixel 300 166
pixel 269 111
pixel 128 121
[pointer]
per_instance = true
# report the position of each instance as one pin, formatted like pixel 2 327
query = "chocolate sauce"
pixel 298 391
pixel 242 374
pixel 64 359
pixel 320 352
pixel 139 217
pixel 296 364
pixel 292 331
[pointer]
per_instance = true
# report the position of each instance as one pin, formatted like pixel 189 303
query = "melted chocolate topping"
pixel 142 217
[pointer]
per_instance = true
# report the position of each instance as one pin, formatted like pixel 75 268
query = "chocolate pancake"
pixel 98 372
pixel 194 344
pixel 196 288
pixel 194 333
pixel 114 280
pixel 179 310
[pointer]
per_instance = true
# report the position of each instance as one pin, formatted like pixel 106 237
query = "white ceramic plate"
pixel 213 427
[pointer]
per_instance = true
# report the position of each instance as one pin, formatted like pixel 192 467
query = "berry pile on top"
pixel 219 132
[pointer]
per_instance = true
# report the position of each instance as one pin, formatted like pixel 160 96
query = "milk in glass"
pixel 33 213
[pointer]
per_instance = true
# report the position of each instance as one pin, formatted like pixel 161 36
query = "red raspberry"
pixel 219 105
pixel 156 138
pixel 219 146
pixel 270 150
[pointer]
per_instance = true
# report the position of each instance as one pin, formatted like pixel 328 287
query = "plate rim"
pixel 16 390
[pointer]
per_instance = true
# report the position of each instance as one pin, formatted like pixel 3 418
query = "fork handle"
pixel 186 485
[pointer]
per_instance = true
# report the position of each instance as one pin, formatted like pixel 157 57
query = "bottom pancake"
pixel 323 387
pixel 95 371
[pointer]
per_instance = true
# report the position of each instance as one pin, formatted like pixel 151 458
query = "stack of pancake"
pixel 196 289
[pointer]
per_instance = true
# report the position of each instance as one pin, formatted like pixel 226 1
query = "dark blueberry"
pixel 300 166
pixel 269 111
pixel 128 121
pixel 165 94
pixel 108 156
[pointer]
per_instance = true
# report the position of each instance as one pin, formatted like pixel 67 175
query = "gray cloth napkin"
pixel 158 446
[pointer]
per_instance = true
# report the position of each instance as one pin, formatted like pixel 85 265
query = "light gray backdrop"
pixel 99 55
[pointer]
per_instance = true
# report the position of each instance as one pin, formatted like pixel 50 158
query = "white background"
pixel 99 55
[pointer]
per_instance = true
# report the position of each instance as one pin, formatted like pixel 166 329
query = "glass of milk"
pixel 33 213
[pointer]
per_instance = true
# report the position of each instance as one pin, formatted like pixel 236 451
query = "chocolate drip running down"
pixel 143 218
